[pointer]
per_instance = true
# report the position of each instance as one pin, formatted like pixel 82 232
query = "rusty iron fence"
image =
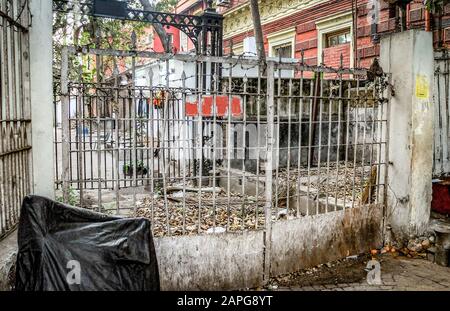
pixel 203 144
pixel 15 118
pixel 441 97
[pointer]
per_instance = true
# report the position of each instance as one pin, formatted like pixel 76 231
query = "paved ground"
pixel 400 274
pixel 8 251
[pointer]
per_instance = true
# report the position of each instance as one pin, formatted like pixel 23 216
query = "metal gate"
pixel 15 118
pixel 233 150
pixel 441 163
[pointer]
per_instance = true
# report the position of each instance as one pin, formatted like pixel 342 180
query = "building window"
pixel 281 44
pixel 283 51
pixel 183 42
pixel 337 38
pixel 170 39
pixel 333 31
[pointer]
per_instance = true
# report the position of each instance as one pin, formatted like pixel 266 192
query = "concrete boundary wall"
pixel 235 261
pixel 409 58
pixel 312 240
pixel 211 262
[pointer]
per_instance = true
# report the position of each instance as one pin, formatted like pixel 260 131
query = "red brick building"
pixel 322 30
pixel 326 28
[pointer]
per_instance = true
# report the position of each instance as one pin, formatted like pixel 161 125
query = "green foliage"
pixel 435 6
pixel 166 5
pixel 73 197
pixel 129 167
pixel 92 32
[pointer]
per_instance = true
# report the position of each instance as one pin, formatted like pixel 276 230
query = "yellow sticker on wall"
pixel 422 87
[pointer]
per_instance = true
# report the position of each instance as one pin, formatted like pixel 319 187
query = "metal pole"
pixel 269 169
pixel 65 100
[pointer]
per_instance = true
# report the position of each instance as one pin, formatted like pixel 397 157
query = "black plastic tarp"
pixel 67 248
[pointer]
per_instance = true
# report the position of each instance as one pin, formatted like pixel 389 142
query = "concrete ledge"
pixel 8 254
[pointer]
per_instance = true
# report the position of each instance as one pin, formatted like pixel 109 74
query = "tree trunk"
pixel 162 34
pixel 260 51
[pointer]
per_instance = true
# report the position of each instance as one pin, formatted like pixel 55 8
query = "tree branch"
pixel 162 34
pixel 260 51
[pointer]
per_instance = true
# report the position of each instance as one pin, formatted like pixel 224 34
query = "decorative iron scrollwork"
pixel 191 25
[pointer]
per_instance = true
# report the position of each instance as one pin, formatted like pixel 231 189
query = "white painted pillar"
pixel 408 56
pixel 41 80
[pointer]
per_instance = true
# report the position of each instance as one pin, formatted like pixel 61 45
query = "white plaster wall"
pixel 406 55
pixel 41 76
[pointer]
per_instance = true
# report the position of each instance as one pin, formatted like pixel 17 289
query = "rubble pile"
pixel 218 213
pixel 339 181
pixel 421 247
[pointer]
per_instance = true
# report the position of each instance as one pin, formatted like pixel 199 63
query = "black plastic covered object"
pixel 67 248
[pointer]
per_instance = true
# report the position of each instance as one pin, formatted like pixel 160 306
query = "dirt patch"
pixel 348 270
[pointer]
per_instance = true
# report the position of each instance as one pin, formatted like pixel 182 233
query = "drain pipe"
pixel 427 20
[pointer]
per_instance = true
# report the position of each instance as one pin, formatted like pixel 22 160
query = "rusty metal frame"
pixel 15 112
pixel 342 166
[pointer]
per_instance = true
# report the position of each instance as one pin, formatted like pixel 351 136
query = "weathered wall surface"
pixel 235 261
pixel 211 262
pixel 311 240
pixel 41 76
pixel 411 132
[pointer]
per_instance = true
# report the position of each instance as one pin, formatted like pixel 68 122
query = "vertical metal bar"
pixel 152 145
pixel 339 139
pixel 258 144
pixel 269 169
pixel 380 142
pixel 26 98
pixel 117 143
pixel 319 181
pixel 446 116
pixel 99 155
pixel 289 115
pixel 373 141
pixel 214 140
pixel 355 151
pixel 133 126
pixel 443 89
pixel 386 140
pixel 185 127
pixel 277 136
pixel 363 154
pixel 244 147
pixel 7 112
pixel 311 138
pixel 199 148
pixel 300 136
pixel 65 122
pixel 347 141
pixel 438 133
pixel 330 123
pixel 80 141
pixel 3 118
pixel 165 144
pixel 229 150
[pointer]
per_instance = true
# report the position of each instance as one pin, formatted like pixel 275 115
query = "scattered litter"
pixel 216 230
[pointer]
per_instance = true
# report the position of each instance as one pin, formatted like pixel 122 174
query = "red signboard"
pixel 221 104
